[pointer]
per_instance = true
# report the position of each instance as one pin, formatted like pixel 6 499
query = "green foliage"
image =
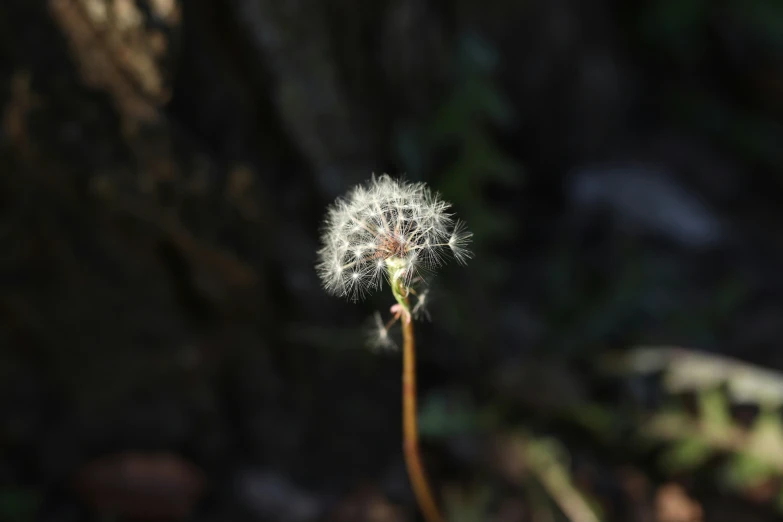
pixel 744 471
pixel 442 415
pixel 19 504
pixel 699 33
pixel 678 27
pixel 545 459
pixel 675 26
pixel 751 455
pixel 463 125
pixel 754 136
pixel 584 307
pixel 685 455
pixel 548 461
pixel 714 410
pixel 464 122
pixel 457 148
pixel 468 506
pixel 765 18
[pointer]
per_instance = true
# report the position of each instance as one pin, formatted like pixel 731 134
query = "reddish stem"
pixel 410 431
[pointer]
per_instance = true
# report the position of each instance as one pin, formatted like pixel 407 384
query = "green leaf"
pixel 714 409
pixel 686 455
pixel 19 505
pixel 468 507
pixel 443 416
pixel 675 24
pixel 743 471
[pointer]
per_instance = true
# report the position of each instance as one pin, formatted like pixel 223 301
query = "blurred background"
pixel 610 354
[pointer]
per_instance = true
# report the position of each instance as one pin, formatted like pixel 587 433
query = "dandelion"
pixel 398 232
pixel 387 230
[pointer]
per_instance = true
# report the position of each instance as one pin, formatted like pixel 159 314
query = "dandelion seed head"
pixel 387 228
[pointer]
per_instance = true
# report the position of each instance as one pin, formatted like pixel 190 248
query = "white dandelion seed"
pixel 420 310
pixel 378 337
pixel 387 229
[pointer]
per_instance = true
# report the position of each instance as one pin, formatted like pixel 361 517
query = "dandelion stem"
pixel 410 431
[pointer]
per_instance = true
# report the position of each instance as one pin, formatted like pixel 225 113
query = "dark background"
pixel 167 353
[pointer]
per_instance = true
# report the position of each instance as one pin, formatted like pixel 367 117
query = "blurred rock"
pixel 674 505
pixel 272 497
pixel 511 510
pixel 645 200
pixel 141 487
pixel 366 505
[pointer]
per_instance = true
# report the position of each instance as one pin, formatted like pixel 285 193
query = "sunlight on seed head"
pixel 387 228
